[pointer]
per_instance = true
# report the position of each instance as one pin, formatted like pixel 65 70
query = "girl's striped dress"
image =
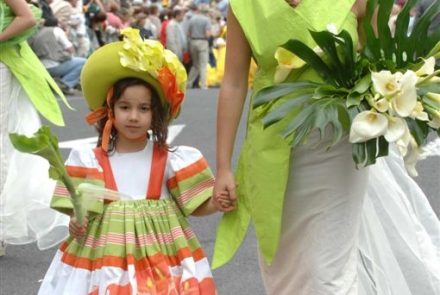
pixel 142 245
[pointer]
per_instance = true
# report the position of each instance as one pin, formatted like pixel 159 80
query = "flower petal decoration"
pixel 385 82
pixel 418 112
pixel 406 99
pixel 367 125
pixel 172 92
pixel 403 142
pixel 412 157
pixel 434 123
pixel 427 67
pixel 382 105
pixel 396 129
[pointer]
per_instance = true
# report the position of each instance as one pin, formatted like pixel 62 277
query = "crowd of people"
pixel 72 29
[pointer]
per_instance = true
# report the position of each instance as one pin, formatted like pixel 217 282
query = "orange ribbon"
pixel 172 93
pixel 99 114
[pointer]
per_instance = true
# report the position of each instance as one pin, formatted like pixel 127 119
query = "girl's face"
pixel 133 117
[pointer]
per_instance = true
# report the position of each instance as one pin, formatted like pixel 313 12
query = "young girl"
pixel 141 244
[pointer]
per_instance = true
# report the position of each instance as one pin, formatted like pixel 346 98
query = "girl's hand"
pixel 224 191
pixel 76 229
pixel 223 202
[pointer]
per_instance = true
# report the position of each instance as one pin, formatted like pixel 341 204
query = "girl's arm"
pixel 207 208
pixel 24 19
pixel 230 103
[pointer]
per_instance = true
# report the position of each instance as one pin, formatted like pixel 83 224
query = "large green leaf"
pixel 44 144
pixel 419 130
pixel 319 114
pixel 310 57
pixel 281 111
pixel 274 92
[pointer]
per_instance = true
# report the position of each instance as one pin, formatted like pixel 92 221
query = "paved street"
pixel 24 266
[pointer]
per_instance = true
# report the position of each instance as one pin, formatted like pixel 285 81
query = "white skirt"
pixel 25 186
pixel 348 231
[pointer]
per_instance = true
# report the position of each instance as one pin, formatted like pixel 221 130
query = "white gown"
pixel 26 190
pixel 354 232
pixel 399 244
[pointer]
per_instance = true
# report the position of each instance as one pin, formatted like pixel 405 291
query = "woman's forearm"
pixel 23 20
pixel 232 92
pixel 229 111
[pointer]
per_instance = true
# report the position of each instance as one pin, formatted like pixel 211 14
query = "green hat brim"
pixel 103 69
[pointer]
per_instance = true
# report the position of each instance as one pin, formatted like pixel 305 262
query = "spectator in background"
pixel 153 15
pixel 45 8
pixel 78 30
pixel 199 31
pixel 165 17
pixel 175 37
pixel 149 25
pixel 222 7
pixel 139 21
pixel 62 10
pixel 55 51
pixel 97 28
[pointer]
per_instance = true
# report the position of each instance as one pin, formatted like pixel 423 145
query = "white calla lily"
pixel 386 83
pixel 396 129
pixel 367 125
pixel 418 112
pixel 381 105
pixel 286 62
pixel 406 99
pixel 412 157
pixel 281 74
pixel 403 142
pixel 427 68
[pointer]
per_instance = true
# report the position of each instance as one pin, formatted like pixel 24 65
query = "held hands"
pixel 224 192
pixel 76 229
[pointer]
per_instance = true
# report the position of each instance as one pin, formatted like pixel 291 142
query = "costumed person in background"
pixel 26 88
pixel 143 242
pixel 323 227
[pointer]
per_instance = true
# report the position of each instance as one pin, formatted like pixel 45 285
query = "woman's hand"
pixel 224 191
pixel 76 229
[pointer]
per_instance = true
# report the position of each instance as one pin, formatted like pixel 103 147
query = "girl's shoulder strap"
pixel 157 172
pixel 103 160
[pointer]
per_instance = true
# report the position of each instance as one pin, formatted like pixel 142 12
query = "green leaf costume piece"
pixel 17 55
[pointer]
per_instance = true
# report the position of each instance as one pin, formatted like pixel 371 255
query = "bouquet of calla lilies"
pixel 387 93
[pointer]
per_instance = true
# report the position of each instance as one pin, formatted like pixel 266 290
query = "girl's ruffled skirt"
pixel 134 247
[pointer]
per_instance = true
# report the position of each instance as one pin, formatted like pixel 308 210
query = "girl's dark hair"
pixel 160 119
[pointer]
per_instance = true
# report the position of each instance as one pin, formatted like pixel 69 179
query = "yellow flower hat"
pixel 137 58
